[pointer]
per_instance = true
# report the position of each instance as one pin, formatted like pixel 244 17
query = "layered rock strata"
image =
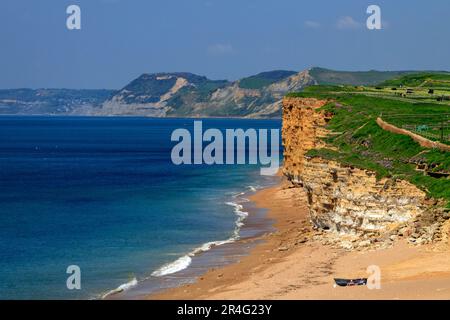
pixel 350 202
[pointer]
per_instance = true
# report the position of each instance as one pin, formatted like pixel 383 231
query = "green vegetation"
pixel 153 86
pixel 358 141
pixel 430 80
pixel 326 76
pixel 264 79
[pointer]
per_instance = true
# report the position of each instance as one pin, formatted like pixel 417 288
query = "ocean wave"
pixel 242 215
pixel 121 288
pixel 237 195
pixel 184 262
pixel 251 188
pixel 173 267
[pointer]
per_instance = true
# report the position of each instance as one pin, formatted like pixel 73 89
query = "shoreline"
pixel 292 263
pixel 251 223
pixel 267 243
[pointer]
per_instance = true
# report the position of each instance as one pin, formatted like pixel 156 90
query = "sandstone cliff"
pixel 352 203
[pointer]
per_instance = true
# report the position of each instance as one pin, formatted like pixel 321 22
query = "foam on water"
pixel 184 261
pixel 121 288
pixel 173 267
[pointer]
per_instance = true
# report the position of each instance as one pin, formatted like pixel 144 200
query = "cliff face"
pixel 352 201
pixel 346 200
pixel 303 125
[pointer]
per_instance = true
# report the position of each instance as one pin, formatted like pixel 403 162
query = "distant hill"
pixel 51 101
pixel 189 95
pixel 264 79
pixel 183 94
pixel 424 79
pixel 326 76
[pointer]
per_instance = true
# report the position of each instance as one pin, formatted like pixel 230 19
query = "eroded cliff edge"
pixel 355 207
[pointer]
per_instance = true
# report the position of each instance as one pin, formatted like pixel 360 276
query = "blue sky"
pixel 222 39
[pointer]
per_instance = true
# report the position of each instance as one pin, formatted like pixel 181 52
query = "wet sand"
pixel 289 264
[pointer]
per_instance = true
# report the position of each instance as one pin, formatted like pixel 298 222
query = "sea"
pixel 102 194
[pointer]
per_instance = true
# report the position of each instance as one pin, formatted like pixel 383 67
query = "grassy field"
pixel 360 142
pixel 418 80
pixel 325 76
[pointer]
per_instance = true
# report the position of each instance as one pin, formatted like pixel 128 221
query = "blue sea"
pixel 103 194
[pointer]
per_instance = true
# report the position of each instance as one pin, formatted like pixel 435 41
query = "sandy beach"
pixel 291 263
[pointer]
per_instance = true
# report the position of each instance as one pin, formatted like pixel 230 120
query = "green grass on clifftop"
pixel 434 80
pixel 325 76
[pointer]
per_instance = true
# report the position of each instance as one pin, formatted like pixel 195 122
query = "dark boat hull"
pixel 351 282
